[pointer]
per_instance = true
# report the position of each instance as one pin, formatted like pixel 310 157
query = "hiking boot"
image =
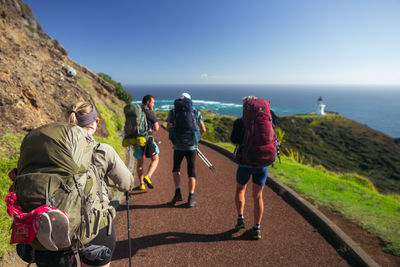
pixel 148 181
pixel 254 233
pixel 142 187
pixel 177 196
pixel 239 224
pixel 191 201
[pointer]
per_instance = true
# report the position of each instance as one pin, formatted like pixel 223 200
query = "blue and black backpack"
pixel 185 131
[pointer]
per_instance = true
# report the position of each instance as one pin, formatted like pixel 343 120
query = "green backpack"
pixel 135 121
pixel 55 168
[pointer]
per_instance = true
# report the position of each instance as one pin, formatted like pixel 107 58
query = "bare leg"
pixel 192 184
pixel 258 203
pixel 139 169
pixel 153 165
pixel 240 198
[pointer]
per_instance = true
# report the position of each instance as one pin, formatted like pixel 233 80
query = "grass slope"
pixel 350 194
pixel 343 145
pixel 9 154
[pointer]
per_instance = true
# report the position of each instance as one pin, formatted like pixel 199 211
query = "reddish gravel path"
pixel 163 235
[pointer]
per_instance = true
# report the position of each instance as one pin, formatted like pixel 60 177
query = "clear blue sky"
pixel 230 41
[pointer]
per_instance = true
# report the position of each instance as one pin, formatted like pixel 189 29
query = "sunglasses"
pixel 97 120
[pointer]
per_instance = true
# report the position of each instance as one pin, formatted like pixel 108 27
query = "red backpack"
pixel 259 145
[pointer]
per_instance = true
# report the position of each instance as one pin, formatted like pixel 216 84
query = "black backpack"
pixel 185 130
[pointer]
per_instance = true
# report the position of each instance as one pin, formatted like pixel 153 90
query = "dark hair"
pixel 147 98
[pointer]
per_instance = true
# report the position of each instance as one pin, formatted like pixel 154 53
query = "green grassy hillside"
pixel 342 145
pixel 349 194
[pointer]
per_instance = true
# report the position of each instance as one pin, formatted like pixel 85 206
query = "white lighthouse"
pixel 320 107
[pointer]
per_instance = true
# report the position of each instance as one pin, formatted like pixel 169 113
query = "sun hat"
pixel 186 95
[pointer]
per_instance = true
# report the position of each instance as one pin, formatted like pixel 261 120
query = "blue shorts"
pixel 259 174
pixel 139 151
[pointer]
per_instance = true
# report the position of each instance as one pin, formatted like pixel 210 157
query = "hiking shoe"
pixel 148 181
pixel 177 196
pixel 191 202
pixel 239 224
pixel 254 233
pixel 142 187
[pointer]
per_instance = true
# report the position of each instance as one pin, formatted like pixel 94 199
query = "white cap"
pixel 186 95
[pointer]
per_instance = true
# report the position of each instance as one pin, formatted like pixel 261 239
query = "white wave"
pixel 207 102
pixel 223 104
pixel 166 107
pixel 167 104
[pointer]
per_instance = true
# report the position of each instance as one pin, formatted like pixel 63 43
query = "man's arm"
pixel 156 126
pixel 202 128
pixel 200 122
pixel 152 117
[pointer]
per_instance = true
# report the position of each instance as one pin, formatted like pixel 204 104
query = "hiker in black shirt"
pixel 151 147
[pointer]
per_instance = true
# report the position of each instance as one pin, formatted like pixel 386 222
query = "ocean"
pixel 376 106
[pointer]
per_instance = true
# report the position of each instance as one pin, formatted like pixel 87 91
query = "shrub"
pixel 119 90
pixel 358 179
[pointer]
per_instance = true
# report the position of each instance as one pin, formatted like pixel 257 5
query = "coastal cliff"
pixel 38 81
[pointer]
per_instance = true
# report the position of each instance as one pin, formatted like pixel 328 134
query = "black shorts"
pixel 190 156
pixel 102 239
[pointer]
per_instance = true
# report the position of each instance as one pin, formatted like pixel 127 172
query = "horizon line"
pixel 259 84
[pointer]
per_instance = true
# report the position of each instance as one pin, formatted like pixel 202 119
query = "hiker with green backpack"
pixel 185 126
pixel 140 122
pixel 108 166
pixel 59 197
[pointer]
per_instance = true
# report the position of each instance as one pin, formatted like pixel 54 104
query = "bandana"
pixel 25 225
pixel 87 119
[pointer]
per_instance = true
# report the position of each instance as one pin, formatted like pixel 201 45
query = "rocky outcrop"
pixel 38 81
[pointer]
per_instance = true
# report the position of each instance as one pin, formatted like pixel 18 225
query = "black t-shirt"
pixel 151 118
pixel 237 134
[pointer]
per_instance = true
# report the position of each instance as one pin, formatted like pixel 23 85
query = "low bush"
pixel 120 92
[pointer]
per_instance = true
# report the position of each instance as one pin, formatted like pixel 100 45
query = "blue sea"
pixel 376 106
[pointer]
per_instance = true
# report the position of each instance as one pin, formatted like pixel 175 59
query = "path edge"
pixel 330 228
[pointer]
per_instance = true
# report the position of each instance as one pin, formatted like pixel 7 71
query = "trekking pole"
pixel 205 160
pixel 130 167
pixel 129 227
pixel 279 156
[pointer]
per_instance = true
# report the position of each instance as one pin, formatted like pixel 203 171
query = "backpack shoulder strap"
pixel 173 117
pixel 96 173
pixel 79 187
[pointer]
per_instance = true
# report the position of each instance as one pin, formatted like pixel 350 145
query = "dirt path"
pixel 163 235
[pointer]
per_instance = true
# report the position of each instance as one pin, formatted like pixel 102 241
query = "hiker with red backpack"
pixel 186 126
pixel 256 149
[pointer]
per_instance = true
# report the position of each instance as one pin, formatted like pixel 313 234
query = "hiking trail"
pixel 166 235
